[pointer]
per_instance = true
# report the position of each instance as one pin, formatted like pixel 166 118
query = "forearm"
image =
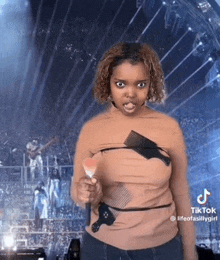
pixel 74 195
pixel 187 231
pixel 186 228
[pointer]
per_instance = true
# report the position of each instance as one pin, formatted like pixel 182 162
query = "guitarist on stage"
pixel 34 154
pixel 36 161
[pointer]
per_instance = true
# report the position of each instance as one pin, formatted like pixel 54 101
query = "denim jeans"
pixel 93 249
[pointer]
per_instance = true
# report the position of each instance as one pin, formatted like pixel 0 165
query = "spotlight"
pixel 210 59
pixel 200 43
pixel 189 29
pixel 218 78
pixel 9 242
pixel 164 3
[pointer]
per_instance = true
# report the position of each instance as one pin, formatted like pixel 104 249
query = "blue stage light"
pixel 3 2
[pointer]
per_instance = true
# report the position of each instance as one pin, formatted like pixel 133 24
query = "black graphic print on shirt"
pixel 145 147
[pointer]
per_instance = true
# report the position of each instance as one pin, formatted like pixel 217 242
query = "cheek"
pixel 115 92
pixel 144 94
pixel 115 95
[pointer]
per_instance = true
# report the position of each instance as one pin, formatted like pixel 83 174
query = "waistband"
pixel 140 209
pixel 108 218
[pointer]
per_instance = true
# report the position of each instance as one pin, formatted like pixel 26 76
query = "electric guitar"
pixel 33 154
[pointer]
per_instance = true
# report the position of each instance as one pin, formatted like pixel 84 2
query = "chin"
pixel 130 114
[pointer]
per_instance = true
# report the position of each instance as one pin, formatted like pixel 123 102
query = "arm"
pixel 84 189
pixel 181 195
pixel 28 153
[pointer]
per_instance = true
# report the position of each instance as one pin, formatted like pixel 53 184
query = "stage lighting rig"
pixel 172 17
pixel 205 45
pixel 214 72
pixel 203 5
pixel 201 15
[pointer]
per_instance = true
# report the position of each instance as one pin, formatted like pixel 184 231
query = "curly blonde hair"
pixel 134 53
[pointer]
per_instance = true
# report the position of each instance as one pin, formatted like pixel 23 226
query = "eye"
pixel 120 84
pixel 142 84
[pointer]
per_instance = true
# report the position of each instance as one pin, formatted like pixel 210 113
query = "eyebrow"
pixel 136 80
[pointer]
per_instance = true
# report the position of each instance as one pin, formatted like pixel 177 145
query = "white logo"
pixel 202 199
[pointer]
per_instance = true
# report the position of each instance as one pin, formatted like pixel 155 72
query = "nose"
pixel 130 92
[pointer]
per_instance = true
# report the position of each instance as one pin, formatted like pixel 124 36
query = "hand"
pixel 89 190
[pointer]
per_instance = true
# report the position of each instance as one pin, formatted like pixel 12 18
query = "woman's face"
pixel 129 86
